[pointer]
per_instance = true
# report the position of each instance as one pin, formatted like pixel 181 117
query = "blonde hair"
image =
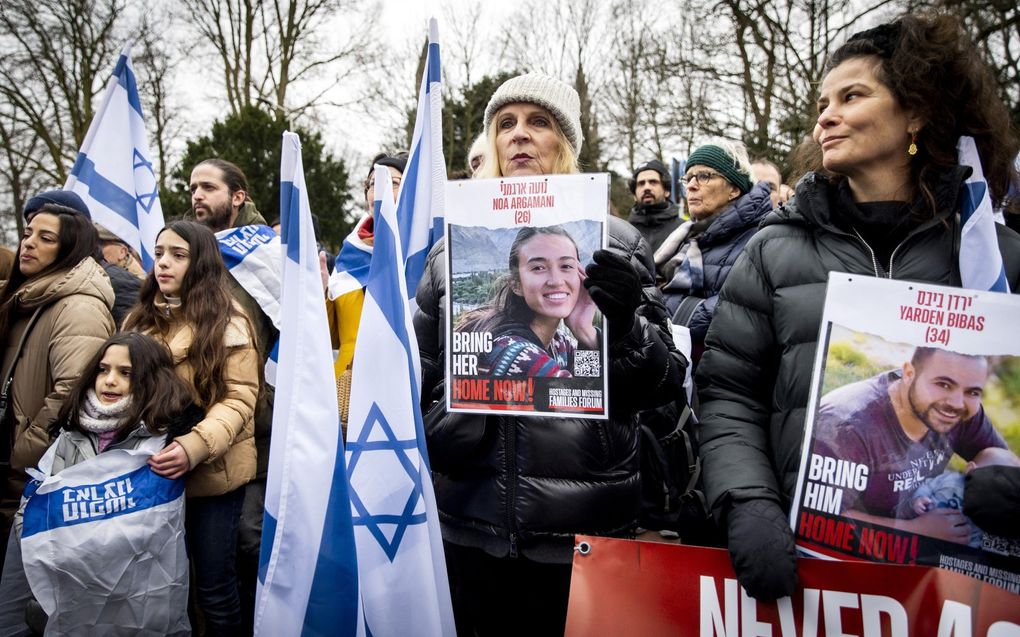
pixel 564 164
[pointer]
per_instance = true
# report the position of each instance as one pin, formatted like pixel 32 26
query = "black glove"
pixel 761 549
pixel 991 498
pixel 615 287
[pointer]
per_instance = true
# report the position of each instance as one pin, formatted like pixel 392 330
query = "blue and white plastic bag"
pixel 103 546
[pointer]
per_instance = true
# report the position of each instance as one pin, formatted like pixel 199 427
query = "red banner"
pixel 624 587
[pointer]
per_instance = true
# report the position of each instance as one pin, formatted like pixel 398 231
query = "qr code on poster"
pixel 1000 545
pixel 587 363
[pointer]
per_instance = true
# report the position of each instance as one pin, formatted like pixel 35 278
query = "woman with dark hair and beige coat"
pixel 54 316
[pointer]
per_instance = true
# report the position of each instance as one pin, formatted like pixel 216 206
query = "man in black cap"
pixel 654 214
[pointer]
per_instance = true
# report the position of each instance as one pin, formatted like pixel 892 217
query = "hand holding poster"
pixel 524 334
pixel 910 392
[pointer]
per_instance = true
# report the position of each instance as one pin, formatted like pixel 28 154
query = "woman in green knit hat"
pixel 692 263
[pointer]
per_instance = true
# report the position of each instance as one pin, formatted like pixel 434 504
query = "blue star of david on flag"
pixel 399 449
pixel 148 197
pixel 403 579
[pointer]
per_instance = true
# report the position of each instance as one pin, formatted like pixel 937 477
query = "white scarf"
pixel 98 418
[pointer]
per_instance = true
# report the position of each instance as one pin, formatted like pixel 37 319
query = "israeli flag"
pixel 400 550
pixel 308 573
pixel 113 172
pixel 980 259
pixel 420 201
pixel 252 256
pixel 352 264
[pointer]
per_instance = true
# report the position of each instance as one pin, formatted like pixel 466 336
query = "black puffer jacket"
pixel 507 483
pixel 756 373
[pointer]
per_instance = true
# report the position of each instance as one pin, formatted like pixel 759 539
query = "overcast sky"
pixel 353 135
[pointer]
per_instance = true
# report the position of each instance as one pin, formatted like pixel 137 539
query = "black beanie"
pixel 655 165
pixel 398 161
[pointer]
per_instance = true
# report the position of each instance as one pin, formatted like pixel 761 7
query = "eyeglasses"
pixel 702 177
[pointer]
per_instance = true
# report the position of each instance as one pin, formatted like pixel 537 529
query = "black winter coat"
pixel 125 290
pixel 755 376
pixel 655 221
pixel 509 483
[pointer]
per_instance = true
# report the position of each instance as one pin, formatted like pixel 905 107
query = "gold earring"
pixel 912 149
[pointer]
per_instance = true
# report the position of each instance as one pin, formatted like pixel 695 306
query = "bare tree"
pixel 56 55
pixel 627 89
pixel 54 58
pixel 564 40
pixel 463 39
pixel 275 53
pixel 229 27
pixel 155 61
pixel 545 46
pixel 297 50
pixel 994 26
pixel 18 147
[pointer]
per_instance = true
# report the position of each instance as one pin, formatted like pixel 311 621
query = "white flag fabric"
pixel 980 260
pixel 103 545
pixel 404 585
pixel 113 172
pixel 252 256
pixel 420 202
pixel 351 269
pixel 308 573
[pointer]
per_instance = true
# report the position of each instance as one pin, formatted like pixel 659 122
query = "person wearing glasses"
pixel 882 200
pixel 693 261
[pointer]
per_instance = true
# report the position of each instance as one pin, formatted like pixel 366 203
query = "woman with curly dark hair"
pixel 884 202
pixel 185 304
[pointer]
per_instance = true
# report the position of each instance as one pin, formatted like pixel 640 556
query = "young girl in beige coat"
pixel 184 303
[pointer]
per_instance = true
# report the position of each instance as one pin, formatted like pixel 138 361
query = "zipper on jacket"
pixel 511 481
pixel 874 261
pixel 893 255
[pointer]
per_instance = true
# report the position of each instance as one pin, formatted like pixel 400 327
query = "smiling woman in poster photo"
pixel 543 289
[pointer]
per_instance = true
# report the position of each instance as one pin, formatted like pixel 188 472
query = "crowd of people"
pixel 99 354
